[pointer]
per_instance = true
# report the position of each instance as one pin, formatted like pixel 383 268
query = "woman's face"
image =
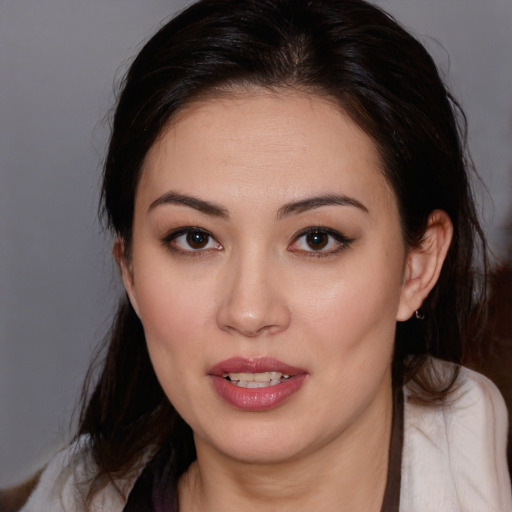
pixel 267 268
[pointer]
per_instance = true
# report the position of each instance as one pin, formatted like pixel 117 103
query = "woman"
pixel 297 239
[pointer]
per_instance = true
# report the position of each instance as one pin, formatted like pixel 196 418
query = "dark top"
pixel 156 488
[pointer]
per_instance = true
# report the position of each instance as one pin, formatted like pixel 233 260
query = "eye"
pixel 190 239
pixel 319 241
pixel 316 240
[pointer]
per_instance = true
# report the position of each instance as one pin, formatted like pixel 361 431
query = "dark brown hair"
pixel 385 80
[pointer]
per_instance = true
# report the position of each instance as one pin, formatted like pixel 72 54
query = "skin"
pixel 257 287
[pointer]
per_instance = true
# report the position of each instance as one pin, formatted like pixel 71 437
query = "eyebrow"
pixel 192 202
pixel 294 207
pixel 317 202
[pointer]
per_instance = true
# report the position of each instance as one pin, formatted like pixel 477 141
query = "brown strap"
pixel 391 502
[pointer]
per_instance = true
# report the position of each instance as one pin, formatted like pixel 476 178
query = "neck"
pixel 348 473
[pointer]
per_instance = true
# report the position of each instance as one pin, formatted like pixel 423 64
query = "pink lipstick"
pixel 256 384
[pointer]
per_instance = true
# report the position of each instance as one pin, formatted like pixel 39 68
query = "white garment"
pixel 454 459
pixel 454 456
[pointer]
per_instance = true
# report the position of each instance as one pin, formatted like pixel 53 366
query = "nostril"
pixel 251 331
pixel 253 322
pixel 251 300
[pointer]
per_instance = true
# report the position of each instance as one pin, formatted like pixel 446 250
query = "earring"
pixel 419 314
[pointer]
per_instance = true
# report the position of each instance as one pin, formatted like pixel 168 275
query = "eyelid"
pixel 184 230
pixel 343 241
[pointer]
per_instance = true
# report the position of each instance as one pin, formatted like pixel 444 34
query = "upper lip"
pixel 253 365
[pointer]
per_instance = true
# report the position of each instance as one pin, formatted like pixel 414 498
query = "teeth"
pixel 252 385
pixel 267 376
pixel 255 377
pixel 256 380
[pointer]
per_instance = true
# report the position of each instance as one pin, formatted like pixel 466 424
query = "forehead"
pixel 248 145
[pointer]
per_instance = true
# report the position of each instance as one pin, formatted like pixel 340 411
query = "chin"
pixel 261 443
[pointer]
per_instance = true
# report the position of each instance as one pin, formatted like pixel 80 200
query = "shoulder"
pixel 454 455
pixel 64 484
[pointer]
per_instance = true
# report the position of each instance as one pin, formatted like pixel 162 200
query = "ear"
pixel 424 264
pixel 124 263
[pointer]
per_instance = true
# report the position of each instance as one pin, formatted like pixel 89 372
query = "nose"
pixel 253 299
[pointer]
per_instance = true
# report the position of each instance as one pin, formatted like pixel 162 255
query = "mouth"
pixel 256 384
pixel 256 380
pixel 261 370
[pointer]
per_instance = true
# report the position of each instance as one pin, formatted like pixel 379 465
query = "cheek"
pixel 175 320
pixel 172 311
pixel 352 320
pixel 364 294
pixel 175 306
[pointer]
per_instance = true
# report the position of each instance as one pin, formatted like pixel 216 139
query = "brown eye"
pixel 317 240
pixel 197 239
pixel 191 240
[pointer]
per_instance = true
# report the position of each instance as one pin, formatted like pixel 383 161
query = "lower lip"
pixel 257 399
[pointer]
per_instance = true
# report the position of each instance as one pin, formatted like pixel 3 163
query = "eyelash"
pixel 343 242
pixel 168 240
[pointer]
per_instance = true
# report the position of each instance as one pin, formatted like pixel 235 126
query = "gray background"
pixel 59 60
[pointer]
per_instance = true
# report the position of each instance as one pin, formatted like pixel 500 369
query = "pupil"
pixel 317 241
pixel 196 239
